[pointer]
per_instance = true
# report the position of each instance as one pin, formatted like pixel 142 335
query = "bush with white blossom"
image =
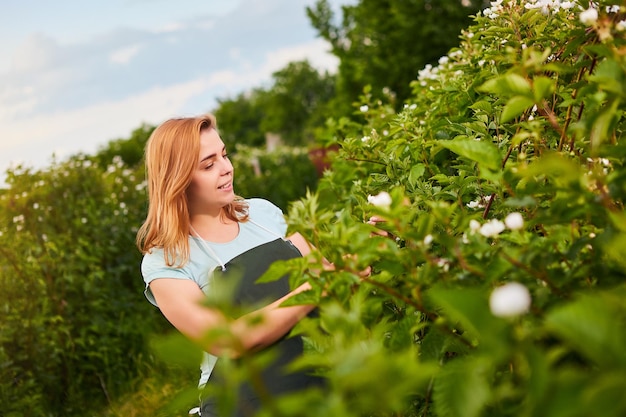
pixel 501 207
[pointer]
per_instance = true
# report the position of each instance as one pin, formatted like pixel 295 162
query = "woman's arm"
pixel 181 301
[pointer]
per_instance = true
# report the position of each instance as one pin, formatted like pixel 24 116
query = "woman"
pixel 199 233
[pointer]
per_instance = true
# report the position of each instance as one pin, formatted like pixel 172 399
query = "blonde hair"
pixel 171 156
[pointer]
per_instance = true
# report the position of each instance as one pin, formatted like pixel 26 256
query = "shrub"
pixel 525 118
pixel 73 316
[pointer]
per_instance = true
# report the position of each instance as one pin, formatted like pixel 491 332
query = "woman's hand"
pixel 374 220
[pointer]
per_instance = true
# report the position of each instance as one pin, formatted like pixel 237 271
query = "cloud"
pixel 37 52
pixel 124 55
pixel 317 52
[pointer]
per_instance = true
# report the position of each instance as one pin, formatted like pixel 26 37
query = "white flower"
pixel 492 228
pixel 364 108
pixel 365 138
pixel 474 225
pixel 589 16
pixel 443 264
pixel 620 26
pixel 612 9
pixel 509 300
pixel 382 199
pixel 514 221
pixel 428 239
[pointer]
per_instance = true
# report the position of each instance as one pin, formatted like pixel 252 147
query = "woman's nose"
pixel 227 166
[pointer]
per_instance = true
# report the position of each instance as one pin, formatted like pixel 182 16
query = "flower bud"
pixel 492 228
pixel 514 221
pixel 509 300
pixel 382 199
pixel 589 16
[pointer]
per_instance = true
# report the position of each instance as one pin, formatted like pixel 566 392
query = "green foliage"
pixel 281 176
pixel 525 116
pixel 239 119
pixel 296 103
pixel 293 108
pixel 382 43
pixel 71 297
pixel 130 150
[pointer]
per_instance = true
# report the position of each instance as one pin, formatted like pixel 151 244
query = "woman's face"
pixel 211 185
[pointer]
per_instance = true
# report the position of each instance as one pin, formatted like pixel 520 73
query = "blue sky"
pixel 76 74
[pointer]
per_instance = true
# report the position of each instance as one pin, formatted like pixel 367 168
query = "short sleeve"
pixel 153 267
pixel 268 215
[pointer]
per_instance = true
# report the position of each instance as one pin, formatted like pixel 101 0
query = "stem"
pixel 536 274
pixel 366 160
pixel 464 263
pixel 594 61
pixel 489 204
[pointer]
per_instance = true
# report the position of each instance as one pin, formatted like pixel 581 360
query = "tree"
pixel 296 102
pixel 131 149
pixel 239 119
pixel 384 43
pixel 292 107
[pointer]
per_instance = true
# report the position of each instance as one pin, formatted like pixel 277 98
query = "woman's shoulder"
pixel 267 214
pixel 261 206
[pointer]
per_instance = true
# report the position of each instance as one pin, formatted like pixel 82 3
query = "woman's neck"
pixel 214 228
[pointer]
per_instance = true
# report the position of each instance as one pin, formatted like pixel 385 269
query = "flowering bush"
pixel 503 292
pixel 70 298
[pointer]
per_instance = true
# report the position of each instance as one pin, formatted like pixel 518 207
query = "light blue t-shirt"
pixel 267 223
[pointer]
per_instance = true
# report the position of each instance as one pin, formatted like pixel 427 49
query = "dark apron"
pixel 274 379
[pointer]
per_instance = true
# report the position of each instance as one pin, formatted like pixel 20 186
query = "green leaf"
pixel 615 248
pixel 563 170
pixel 507 85
pixel 610 77
pixel 514 107
pixel 176 349
pixel 417 171
pixel 483 105
pixel 601 128
pixel 483 152
pixel 543 87
pixel 462 388
pixel 593 325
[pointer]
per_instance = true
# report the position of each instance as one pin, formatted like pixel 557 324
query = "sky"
pixel 76 74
